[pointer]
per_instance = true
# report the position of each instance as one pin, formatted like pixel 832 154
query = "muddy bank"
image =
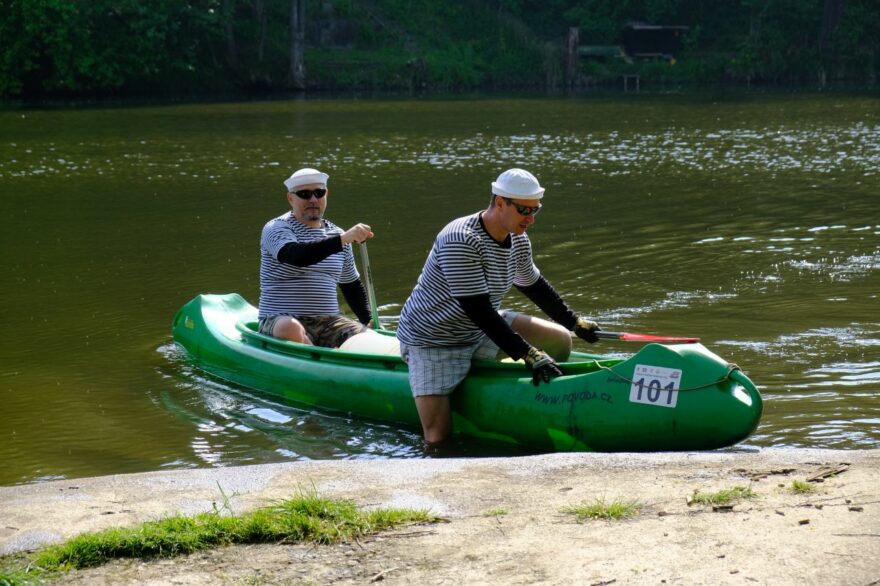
pixel 506 520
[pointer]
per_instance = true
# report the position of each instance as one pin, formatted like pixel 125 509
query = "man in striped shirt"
pixel 303 258
pixel 453 312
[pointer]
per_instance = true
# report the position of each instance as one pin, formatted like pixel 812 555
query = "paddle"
pixel 368 280
pixel 633 337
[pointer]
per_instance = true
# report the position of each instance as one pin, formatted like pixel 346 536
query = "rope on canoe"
pixel 730 368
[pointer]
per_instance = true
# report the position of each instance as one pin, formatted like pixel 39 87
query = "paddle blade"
pixel 633 337
pixel 371 293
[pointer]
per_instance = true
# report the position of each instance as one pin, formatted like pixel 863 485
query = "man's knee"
pixel 558 343
pixel 550 337
pixel 292 330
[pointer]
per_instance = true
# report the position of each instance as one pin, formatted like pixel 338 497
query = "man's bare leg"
pixel 436 416
pixel 545 335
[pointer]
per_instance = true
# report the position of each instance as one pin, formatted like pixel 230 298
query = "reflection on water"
pixel 822 150
pixel 236 426
pixel 827 393
pixel 750 223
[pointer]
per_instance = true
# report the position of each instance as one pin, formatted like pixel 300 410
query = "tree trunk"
pixel 297 43
pixel 571 56
pixel 231 46
pixel 260 14
pixel 831 15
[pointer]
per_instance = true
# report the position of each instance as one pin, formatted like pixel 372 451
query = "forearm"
pixel 480 311
pixel 304 254
pixel 545 296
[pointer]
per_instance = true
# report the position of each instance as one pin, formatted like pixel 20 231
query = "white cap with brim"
pixel 517 184
pixel 305 177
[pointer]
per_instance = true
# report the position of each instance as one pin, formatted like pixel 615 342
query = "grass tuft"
pixel 305 518
pixel 15 578
pixel 495 512
pixel 801 487
pixel 722 497
pixel 599 509
pixel 16 570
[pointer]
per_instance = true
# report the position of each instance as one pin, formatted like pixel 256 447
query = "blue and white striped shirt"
pixel 292 290
pixel 465 260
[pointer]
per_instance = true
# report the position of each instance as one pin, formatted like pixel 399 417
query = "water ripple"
pixel 807 346
pixel 233 426
pixel 819 150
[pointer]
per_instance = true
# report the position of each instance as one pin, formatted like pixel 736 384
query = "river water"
pixel 750 221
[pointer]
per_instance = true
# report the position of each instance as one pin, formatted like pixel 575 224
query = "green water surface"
pixel 751 222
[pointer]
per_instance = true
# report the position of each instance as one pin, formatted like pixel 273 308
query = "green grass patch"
pixel 616 510
pixel 801 487
pixel 304 518
pixel 14 577
pixel 495 512
pixel 17 570
pixel 722 497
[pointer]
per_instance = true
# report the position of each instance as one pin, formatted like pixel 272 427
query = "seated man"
pixel 303 258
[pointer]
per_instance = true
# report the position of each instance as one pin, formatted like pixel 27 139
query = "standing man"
pixel 453 313
pixel 303 258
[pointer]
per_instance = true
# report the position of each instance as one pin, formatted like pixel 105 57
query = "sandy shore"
pixel 506 523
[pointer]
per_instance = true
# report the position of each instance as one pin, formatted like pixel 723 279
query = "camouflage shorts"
pixel 329 331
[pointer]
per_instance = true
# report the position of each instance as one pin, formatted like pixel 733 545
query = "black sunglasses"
pixel 308 193
pixel 523 210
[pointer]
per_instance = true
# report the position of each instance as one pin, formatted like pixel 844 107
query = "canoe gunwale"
pixel 585 363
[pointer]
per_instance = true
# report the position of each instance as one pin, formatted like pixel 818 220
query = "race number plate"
pixel 655 385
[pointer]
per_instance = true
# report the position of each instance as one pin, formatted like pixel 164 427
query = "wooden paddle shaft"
pixel 368 281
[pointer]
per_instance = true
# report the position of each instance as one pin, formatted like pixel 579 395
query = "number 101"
pixel 658 388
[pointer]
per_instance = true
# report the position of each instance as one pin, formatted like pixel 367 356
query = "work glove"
pixel 542 366
pixel 586 330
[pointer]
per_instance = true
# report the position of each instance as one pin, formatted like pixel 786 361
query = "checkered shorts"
pixel 439 370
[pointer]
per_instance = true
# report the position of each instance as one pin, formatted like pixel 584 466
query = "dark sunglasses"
pixel 523 210
pixel 308 193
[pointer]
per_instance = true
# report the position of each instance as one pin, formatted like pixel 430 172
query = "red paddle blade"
pixel 630 337
pixel 633 337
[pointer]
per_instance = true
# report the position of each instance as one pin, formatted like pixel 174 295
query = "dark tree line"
pixel 59 48
pixel 64 47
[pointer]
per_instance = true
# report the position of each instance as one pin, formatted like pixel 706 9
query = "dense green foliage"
pixel 138 47
pixel 65 46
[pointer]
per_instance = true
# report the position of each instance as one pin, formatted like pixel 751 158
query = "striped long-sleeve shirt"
pixel 293 290
pixel 464 261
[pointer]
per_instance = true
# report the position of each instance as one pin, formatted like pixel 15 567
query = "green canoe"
pixel 663 397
